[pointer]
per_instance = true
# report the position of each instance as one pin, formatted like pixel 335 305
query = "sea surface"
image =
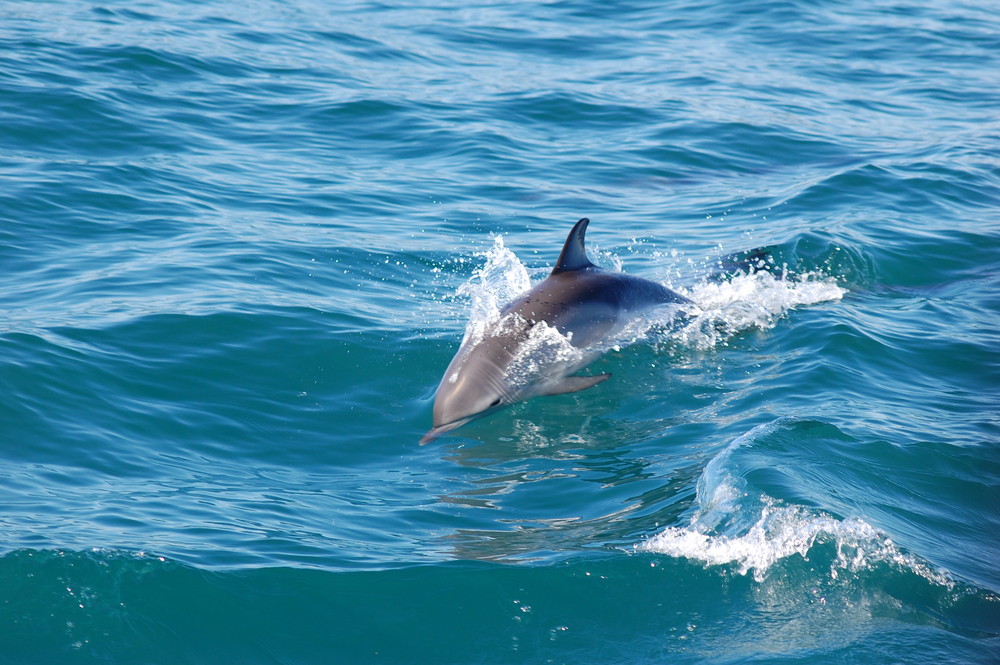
pixel 241 241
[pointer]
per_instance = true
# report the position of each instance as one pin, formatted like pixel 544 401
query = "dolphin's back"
pixel 589 304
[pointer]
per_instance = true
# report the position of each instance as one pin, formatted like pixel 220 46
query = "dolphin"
pixel 520 356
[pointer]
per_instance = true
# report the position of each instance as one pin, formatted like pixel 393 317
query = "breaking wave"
pixel 735 526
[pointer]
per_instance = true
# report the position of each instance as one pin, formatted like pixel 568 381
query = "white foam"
pixel 748 302
pixel 778 533
pixel 783 531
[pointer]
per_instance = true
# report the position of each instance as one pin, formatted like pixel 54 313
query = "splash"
pixel 748 302
pixel 501 279
pixel 722 310
pixel 545 353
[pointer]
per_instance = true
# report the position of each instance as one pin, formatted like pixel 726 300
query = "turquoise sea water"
pixel 240 242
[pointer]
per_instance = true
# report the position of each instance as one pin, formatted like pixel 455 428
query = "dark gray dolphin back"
pixel 626 291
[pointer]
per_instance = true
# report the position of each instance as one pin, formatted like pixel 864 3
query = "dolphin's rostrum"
pixel 519 357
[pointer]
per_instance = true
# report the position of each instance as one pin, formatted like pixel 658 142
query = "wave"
pixel 116 606
pixel 827 576
pixel 737 526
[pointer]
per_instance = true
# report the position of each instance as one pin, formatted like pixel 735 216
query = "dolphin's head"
pixel 474 384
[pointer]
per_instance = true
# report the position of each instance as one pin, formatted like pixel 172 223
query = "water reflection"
pixel 558 489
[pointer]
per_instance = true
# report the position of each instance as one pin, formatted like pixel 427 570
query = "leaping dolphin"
pixel 517 357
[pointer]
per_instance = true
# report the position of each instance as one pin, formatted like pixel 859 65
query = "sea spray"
pixel 494 284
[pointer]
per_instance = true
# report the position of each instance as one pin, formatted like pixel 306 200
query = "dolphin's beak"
pixel 441 429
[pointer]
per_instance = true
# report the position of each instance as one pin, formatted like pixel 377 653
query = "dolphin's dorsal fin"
pixel 574 254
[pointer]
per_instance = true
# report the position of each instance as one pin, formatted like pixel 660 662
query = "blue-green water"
pixel 240 242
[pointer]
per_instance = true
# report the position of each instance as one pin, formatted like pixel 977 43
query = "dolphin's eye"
pixel 496 402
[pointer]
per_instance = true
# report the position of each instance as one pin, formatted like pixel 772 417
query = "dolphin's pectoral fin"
pixel 574 384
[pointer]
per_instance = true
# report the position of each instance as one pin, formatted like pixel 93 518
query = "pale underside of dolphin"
pixel 512 361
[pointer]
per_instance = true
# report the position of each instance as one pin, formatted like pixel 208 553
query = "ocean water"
pixel 240 242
